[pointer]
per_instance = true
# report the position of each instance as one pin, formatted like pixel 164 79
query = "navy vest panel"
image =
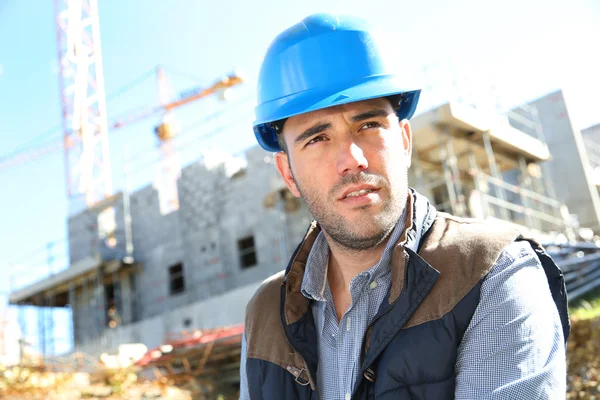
pixel 268 381
pixel 419 363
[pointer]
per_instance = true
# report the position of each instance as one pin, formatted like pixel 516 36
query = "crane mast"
pixel 84 142
pixel 83 103
pixel 168 168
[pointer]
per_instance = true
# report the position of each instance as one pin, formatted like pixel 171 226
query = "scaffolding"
pixel 476 164
pixel 475 159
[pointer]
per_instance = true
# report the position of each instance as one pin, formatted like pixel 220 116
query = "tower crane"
pixel 85 127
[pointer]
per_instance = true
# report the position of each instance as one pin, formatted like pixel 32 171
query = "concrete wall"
pixel 84 237
pixel 215 212
pixel 569 168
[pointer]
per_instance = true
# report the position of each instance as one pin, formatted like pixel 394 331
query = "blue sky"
pixel 525 48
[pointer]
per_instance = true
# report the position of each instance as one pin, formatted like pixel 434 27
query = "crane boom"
pixel 194 94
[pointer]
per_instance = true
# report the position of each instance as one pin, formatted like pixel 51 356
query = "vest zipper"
pixel 361 376
pixel 391 307
pixel 387 310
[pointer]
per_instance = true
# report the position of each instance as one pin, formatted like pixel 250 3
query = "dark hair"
pixel 277 126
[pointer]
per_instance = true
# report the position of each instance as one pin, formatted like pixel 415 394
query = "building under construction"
pixel 172 265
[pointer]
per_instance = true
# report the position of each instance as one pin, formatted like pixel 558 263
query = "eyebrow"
pixel 370 114
pixel 318 128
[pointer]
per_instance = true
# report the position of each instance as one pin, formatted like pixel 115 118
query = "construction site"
pixel 157 277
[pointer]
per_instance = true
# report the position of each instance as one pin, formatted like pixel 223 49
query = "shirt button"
pixel 348 396
pixel 348 324
pixel 373 285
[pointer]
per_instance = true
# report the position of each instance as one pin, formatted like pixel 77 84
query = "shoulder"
pixel 467 238
pixel 463 251
pixel 267 294
pixel 517 274
pixel 456 229
pixel 514 256
pixel 265 338
pixel 263 308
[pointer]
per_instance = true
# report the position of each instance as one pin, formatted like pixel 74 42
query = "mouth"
pixel 354 192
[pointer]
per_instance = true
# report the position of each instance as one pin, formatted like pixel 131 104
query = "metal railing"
pixel 580 263
pixel 539 211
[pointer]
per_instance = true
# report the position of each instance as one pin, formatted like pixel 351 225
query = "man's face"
pixel 349 163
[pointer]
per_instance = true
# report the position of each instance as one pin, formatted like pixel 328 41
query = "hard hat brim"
pixel 320 98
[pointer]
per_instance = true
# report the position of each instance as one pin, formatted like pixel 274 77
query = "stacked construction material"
pixel 583 358
pixel 40 383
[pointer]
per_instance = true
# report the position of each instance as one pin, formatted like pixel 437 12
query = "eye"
pixel 371 125
pixel 315 140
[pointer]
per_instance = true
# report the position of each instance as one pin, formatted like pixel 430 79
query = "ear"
pixel 283 166
pixel 406 139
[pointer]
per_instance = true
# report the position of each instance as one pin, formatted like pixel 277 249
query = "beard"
pixel 367 229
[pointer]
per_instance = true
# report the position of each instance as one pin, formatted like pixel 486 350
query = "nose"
pixel 351 159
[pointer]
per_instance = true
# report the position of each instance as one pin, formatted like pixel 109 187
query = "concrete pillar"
pixel 126 295
pixel 495 172
pixel 50 301
pixel 41 311
pixel 452 163
pixel 526 201
pixel 74 314
pixel 100 310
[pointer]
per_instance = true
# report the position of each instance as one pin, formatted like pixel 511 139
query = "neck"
pixel 345 264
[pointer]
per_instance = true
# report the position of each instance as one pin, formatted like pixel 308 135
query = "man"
pixel 385 298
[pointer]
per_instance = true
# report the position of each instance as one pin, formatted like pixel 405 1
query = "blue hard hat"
pixel 323 61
